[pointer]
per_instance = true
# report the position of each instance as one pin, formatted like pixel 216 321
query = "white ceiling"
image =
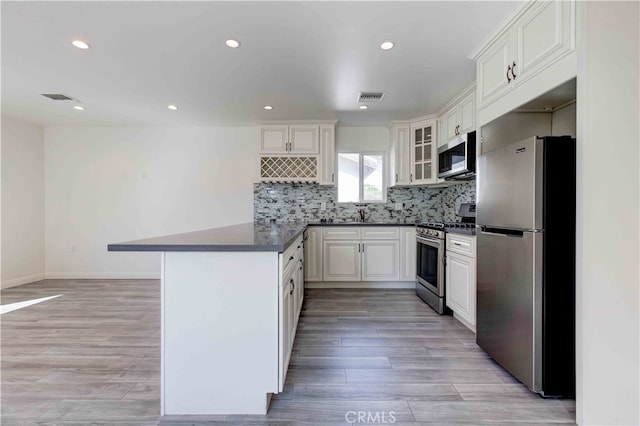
pixel 307 59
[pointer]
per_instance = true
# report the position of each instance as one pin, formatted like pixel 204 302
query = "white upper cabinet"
pixel 467 114
pixel 448 126
pixel 493 70
pixel 424 165
pixel 303 139
pixel 289 139
pixel 274 139
pixel 541 34
pixel 458 119
pixel 400 155
pixel 327 163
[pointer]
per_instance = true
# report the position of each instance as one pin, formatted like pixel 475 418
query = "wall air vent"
pixel 370 96
pixel 57 96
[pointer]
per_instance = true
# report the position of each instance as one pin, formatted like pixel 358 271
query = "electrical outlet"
pixel 125 174
pixel 398 206
pixel 323 205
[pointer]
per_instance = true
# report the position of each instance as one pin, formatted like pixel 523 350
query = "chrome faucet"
pixel 362 214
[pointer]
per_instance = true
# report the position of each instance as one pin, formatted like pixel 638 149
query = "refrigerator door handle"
pixel 502 232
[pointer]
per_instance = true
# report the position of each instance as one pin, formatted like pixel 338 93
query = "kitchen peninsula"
pixel 231 298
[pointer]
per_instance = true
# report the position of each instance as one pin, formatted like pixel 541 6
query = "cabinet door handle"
pixel 513 70
pixel 508 71
pixel 411 177
pixel 332 177
pixel 396 177
pixel 293 286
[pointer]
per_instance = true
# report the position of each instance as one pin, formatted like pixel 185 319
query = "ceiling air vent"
pixel 57 96
pixel 370 96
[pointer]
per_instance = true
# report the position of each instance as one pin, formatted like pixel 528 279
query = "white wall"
pixel 607 335
pixel 106 185
pixel 514 127
pixel 22 203
pixel 563 121
pixel 362 139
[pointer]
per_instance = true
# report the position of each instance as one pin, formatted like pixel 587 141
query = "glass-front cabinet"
pixel 424 164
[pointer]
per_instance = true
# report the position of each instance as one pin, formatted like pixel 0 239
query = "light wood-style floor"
pixel 92 357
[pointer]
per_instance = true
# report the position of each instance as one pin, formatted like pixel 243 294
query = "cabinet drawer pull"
pixel 332 177
pixel 513 70
pixel 508 71
pixel 462 245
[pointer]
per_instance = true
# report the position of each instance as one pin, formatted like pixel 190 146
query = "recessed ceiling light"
pixel 386 45
pixel 173 107
pixel 268 107
pixel 363 107
pixel 78 107
pixel 232 43
pixel 80 44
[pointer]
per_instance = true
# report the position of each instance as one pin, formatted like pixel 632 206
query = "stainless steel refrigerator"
pixel 526 261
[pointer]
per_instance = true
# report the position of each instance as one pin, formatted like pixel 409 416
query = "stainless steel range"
pixel 430 250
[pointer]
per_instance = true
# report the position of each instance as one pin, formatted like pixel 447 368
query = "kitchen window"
pixel 361 177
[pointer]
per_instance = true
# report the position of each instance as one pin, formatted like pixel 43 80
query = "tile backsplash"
pixel 299 202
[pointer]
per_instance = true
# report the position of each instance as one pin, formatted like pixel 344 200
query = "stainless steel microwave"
pixel 457 159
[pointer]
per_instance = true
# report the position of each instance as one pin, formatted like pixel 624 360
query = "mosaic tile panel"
pixel 300 202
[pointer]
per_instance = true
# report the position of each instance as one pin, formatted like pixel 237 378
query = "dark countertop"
pixel 243 237
pixel 361 224
pixel 462 231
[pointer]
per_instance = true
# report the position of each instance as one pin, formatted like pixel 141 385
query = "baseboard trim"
pixel 103 275
pixel 21 280
pixel 361 284
pixel 464 322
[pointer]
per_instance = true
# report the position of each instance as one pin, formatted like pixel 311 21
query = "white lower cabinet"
pixel 313 254
pixel 291 298
pixel 341 260
pixel 286 325
pixel 380 260
pixel 407 254
pixel 460 278
pixel 360 253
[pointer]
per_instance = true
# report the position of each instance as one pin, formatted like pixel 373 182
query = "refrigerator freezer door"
pixel 510 186
pixel 509 303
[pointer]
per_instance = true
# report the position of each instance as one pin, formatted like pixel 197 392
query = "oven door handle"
pixel 429 241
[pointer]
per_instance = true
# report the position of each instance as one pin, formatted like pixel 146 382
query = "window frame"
pixel 361 155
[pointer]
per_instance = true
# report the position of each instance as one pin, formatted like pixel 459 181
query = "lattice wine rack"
pixel 289 169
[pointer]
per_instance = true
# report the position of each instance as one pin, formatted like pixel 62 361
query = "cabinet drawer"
pixel 462 244
pixel 292 254
pixel 341 233
pixel 380 233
